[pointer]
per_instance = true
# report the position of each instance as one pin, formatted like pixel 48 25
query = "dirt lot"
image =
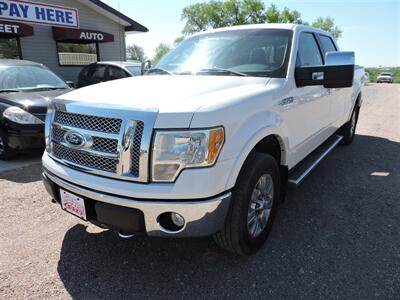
pixel 337 236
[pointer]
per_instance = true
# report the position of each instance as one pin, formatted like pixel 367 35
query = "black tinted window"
pixel 116 73
pixel 327 43
pixel 96 74
pixel 308 53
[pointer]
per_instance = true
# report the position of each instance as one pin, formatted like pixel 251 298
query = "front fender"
pixel 250 142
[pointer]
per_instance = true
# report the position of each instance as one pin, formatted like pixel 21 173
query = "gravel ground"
pixel 337 236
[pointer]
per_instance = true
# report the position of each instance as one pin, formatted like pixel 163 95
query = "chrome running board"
pixel 300 172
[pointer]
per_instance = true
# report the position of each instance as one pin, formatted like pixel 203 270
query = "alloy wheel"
pixel 260 205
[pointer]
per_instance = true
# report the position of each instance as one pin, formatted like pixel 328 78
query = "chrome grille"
pixel 105 145
pixel 99 143
pixel 58 134
pixel 116 146
pixel 85 159
pixel 109 125
pixel 136 149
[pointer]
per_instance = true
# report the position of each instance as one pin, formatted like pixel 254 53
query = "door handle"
pixel 317 76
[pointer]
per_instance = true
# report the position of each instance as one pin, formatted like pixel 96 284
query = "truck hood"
pixel 34 102
pixel 175 97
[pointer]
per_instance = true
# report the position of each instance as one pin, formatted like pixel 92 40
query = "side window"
pixel 115 73
pixel 327 43
pixel 97 74
pixel 308 53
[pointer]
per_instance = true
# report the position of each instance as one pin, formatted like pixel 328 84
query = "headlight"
pixel 20 116
pixel 174 151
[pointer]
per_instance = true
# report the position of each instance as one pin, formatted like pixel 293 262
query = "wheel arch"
pixel 270 142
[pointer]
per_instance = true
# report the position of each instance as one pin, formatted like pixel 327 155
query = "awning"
pixel 81 35
pixel 15 29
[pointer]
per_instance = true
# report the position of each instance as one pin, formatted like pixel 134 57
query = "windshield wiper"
pixel 220 70
pixel 9 91
pixel 48 88
pixel 159 70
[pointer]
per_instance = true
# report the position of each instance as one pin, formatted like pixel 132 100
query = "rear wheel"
pixel 253 207
pixel 348 130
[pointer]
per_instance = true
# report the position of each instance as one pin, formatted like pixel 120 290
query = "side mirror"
pixel 146 65
pixel 71 84
pixel 338 71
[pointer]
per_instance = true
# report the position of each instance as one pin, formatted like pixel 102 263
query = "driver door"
pixel 308 115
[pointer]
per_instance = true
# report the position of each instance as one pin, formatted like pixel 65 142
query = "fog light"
pixel 177 219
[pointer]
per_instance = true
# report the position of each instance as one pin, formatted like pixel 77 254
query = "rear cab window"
pixel 327 43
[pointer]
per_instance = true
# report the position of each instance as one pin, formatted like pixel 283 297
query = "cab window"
pixel 308 53
pixel 327 43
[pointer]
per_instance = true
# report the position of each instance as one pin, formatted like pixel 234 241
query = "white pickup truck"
pixel 207 142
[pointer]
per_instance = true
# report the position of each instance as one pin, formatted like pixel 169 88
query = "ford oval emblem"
pixel 74 139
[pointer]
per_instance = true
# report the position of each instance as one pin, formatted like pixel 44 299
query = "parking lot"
pixel 337 236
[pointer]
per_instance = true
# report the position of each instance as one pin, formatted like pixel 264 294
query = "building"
pixel 64 35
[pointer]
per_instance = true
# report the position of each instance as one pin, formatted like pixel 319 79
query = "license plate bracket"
pixel 73 204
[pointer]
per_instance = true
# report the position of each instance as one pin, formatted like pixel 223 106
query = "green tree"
pixel 219 13
pixel 215 14
pixel 161 50
pixel 178 40
pixel 327 24
pixel 135 52
pixel 273 15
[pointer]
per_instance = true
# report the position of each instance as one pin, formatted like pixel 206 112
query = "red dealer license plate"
pixel 73 204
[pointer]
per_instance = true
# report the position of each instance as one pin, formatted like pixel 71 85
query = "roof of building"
pixel 101 7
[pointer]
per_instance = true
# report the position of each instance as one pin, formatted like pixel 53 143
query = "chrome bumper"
pixel 202 217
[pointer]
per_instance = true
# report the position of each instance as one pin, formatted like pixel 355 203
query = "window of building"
pixel 75 54
pixel 10 48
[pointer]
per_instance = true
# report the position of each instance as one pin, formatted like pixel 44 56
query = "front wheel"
pixel 5 150
pixel 253 207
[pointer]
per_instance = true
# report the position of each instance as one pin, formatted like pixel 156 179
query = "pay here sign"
pixel 41 13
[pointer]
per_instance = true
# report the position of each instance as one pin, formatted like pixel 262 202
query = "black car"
pixel 26 89
pixel 106 71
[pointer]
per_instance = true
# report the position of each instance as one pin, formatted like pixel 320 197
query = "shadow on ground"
pixel 336 236
pixel 28 173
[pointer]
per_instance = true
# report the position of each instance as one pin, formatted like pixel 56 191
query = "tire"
pixel 5 151
pixel 238 236
pixel 348 130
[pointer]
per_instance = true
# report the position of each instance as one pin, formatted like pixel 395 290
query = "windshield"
pixel 28 78
pixel 254 52
pixel 386 74
pixel 135 70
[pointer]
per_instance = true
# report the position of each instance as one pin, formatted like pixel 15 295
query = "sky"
pixel 371 28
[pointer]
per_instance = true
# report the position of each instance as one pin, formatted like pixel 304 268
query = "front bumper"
pixel 387 80
pixel 202 217
pixel 24 137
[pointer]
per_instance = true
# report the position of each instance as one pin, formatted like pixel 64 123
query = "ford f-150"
pixel 208 140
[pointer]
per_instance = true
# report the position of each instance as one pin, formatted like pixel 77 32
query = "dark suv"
pixel 26 89
pixel 106 71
